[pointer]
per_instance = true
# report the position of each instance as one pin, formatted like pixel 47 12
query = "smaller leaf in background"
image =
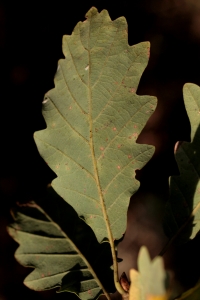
pixel 56 259
pixel 149 283
pixel 183 207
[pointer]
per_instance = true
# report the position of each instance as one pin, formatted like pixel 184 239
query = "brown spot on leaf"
pixel 135 134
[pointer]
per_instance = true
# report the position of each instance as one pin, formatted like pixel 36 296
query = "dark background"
pixel 30 46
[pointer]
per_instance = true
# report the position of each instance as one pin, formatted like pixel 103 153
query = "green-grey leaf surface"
pixel 56 259
pixel 184 202
pixel 93 118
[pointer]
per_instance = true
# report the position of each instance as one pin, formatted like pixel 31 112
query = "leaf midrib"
pixel 96 175
pixel 91 143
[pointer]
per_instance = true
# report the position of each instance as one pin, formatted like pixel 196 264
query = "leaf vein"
pixel 89 197
pixel 114 93
pixel 123 127
pixel 67 85
pixel 106 59
pixel 124 167
pixel 80 135
pixel 64 154
pixel 77 73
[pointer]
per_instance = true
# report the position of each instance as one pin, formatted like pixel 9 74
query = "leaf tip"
pixel 186 86
pixel 144 252
pixel 91 12
pixel 189 85
pixel 144 258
